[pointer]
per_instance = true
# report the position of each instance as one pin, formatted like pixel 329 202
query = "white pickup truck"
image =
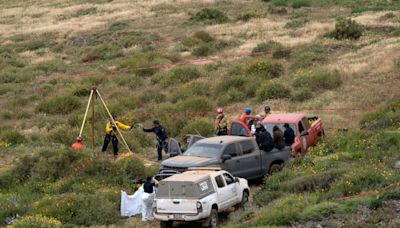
pixel 198 195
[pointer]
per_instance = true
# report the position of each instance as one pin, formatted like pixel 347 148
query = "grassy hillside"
pixel 177 61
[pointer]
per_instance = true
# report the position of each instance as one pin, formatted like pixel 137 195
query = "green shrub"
pixel 38 221
pixel 49 67
pixel 13 137
pixel 203 36
pixel 301 3
pixel 281 53
pixel 104 52
pixel 387 16
pixel 202 126
pixel 247 16
pixel 119 25
pixel 319 211
pixel 131 81
pixel 266 47
pixel 80 90
pixel 264 69
pixel 202 50
pixel 95 80
pixel 62 134
pixel 388 116
pixel 59 105
pixel 310 183
pixel 133 168
pixel 358 180
pixel 265 197
pixel 194 104
pixel 144 64
pixel 180 75
pixel 8 57
pixel 307 57
pixel 80 209
pixel 9 74
pixel 390 195
pixel 237 84
pixel 51 165
pixel 346 29
pixel 231 96
pixel 281 214
pixel 97 166
pixel 152 96
pixel 302 94
pixel 210 16
pixel 190 90
pixel 297 22
pixel 272 90
pixel 318 80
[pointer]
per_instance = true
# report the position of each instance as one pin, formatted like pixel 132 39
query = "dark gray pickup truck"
pixel 238 155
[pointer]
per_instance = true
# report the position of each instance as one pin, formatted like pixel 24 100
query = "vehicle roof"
pixel 283 118
pixel 224 139
pixel 192 175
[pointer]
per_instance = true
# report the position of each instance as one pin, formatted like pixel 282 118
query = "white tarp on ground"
pixel 131 204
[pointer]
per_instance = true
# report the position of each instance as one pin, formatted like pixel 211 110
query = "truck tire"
pixel 213 219
pixel 274 168
pixel 166 224
pixel 245 198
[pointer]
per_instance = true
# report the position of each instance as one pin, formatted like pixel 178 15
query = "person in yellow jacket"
pixel 111 134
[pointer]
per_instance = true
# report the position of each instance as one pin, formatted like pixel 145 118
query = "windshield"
pixel 204 150
pixel 280 125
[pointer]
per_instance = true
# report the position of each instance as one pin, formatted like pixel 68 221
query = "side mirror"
pixel 304 133
pixel 236 179
pixel 226 157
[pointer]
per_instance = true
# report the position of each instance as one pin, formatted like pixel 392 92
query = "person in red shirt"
pixel 244 117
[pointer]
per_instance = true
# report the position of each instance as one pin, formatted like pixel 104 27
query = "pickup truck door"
pixel 250 160
pixel 232 189
pixel 238 128
pixel 222 191
pixel 232 165
pixel 303 137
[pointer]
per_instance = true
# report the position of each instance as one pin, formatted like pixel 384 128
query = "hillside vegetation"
pixel 177 61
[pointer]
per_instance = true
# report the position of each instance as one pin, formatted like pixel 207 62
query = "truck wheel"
pixel 213 219
pixel 274 168
pixel 166 224
pixel 245 198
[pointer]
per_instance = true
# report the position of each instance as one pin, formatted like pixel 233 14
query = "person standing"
pixel 288 134
pixel 263 138
pixel 221 123
pixel 148 198
pixel 161 135
pixel 245 116
pixel 111 134
pixel 278 137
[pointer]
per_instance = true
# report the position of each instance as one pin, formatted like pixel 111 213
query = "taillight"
pixel 199 207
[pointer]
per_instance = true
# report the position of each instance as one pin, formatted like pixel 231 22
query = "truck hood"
pixel 189 161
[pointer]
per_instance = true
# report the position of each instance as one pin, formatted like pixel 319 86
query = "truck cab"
pixel 307 129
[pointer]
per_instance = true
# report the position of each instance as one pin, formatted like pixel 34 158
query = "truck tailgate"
pixel 176 206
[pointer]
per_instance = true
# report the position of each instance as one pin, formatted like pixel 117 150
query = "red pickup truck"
pixel 307 129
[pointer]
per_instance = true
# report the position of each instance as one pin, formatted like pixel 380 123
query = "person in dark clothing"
pixel 263 138
pixel 278 137
pixel 288 135
pixel 161 135
pixel 149 184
